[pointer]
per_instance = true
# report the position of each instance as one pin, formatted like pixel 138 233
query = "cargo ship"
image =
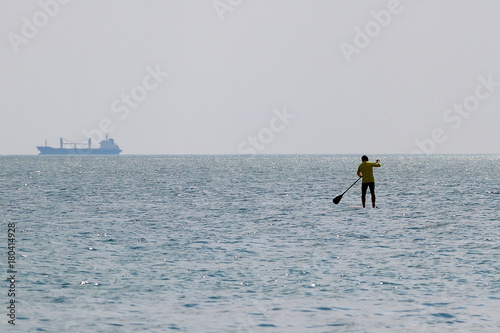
pixel 106 147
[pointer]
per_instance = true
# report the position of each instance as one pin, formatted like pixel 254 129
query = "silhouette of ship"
pixel 106 147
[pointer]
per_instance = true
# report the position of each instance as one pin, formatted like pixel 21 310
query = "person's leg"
pixel 372 192
pixel 364 186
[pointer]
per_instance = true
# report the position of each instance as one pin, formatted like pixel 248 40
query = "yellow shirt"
pixel 366 170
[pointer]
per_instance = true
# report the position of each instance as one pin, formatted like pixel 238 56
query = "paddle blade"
pixel 337 199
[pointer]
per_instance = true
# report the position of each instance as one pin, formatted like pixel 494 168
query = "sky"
pixel 252 76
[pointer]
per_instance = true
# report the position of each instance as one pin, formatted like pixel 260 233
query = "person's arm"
pixel 359 173
pixel 377 163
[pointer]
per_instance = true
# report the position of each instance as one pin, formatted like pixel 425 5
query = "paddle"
pixel 337 199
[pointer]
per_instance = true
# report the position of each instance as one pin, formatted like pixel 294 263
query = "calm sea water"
pixel 252 244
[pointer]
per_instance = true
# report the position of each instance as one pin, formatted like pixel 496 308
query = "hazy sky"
pixel 245 76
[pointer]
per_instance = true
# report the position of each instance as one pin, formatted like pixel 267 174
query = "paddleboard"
pixel 366 207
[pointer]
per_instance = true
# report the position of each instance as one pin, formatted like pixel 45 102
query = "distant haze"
pixel 252 76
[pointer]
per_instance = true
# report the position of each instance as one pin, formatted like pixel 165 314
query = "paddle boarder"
pixel 365 170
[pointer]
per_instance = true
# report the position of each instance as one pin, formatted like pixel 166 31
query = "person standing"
pixel 365 170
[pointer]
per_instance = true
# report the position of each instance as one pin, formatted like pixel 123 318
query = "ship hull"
pixel 77 151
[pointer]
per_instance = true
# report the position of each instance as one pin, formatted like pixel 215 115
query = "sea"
pixel 234 243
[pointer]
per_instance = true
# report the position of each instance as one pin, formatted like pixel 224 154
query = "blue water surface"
pixel 252 244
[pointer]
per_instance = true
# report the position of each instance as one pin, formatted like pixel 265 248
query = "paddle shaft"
pixel 337 199
pixel 351 186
